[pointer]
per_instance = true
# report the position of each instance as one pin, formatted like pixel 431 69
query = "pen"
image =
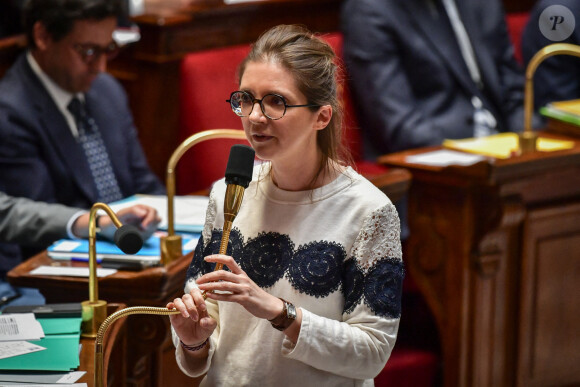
pixel 83 259
pixel 7 299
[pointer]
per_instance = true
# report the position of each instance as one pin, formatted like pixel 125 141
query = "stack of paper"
pixel 503 145
pixel 567 111
pixel 39 351
pixel 189 211
pixel 60 343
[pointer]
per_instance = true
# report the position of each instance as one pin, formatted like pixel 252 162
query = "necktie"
pixel 92 143
pixel 484 123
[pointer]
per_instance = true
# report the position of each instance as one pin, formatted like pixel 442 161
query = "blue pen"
pixel 83 259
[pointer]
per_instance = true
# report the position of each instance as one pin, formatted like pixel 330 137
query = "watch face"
pixel 291 311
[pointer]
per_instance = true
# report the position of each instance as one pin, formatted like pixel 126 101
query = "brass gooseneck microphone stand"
pixel 528 138
pixel 129 240
pixel 171 245
pixel 99 349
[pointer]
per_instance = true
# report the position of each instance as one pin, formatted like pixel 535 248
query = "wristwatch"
pixel 284 319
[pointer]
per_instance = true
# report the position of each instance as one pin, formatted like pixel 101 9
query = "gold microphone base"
pixel 171 248
pixel 528 142
pixel 94 313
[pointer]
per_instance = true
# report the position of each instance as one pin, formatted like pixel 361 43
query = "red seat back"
pixel 207 79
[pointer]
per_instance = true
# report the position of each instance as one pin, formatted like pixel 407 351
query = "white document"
pixel 445 157
pixel 71 271
pixel 43 385
pixel 20 326
pixel 188 210
pixel 15 348
pixel 38 377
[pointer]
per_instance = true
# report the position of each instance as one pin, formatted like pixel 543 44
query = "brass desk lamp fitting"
pixel 171 245
pixel 528 138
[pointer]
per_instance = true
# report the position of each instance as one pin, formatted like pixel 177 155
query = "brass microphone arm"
pixel 99 368
pixel 528 137
pixel 171 244
pixel 94 310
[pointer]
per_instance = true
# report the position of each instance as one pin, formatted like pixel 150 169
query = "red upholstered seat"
pixel 207 79
pixel 409 367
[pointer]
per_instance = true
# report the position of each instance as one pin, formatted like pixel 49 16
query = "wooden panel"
pixel 10 48
pixel 550 314
pixel 501 292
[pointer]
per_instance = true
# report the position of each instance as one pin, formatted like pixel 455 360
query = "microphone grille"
pixel 240 165
pixel 129 239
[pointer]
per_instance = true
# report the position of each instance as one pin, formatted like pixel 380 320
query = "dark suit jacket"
pixel 41 160
pixel 410 84
pixel 556 78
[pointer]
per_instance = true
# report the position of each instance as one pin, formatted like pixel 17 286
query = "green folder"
pixel 62 338
pixel 567 111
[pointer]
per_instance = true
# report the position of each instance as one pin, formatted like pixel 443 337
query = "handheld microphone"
pixel 238 176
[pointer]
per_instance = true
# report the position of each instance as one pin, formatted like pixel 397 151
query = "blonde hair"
pixel 313 64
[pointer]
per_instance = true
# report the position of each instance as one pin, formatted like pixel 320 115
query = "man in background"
pixel 34 223
pixel 66 131
pixel 422 71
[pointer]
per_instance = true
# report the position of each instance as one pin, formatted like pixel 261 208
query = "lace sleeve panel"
pixel 210 216
pixel 379 238
pixel 374 271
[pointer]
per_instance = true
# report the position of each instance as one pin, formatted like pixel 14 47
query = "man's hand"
pixel 143 217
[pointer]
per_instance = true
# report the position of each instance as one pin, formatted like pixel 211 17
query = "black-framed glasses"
pixel 91 52
pixel 273 105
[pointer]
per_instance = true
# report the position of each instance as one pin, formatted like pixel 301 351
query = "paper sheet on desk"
pixel 36 378
pixel 43 385
pixel 20 326
pixel 70 271
pixel 444 157
pixel 189 211
pixel 17 348
pixel 503 145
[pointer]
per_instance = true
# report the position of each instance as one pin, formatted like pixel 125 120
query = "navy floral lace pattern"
pixel 199 267
pixel 234 246
pixel 352 285
pixel 316 268
pixel 266 258
pixel 383 287
pixel 196 267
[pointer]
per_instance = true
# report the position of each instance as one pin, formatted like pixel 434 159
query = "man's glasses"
pixel 273 105
pixel 91 52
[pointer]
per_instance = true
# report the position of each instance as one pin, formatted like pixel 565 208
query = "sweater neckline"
pixel 278 195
